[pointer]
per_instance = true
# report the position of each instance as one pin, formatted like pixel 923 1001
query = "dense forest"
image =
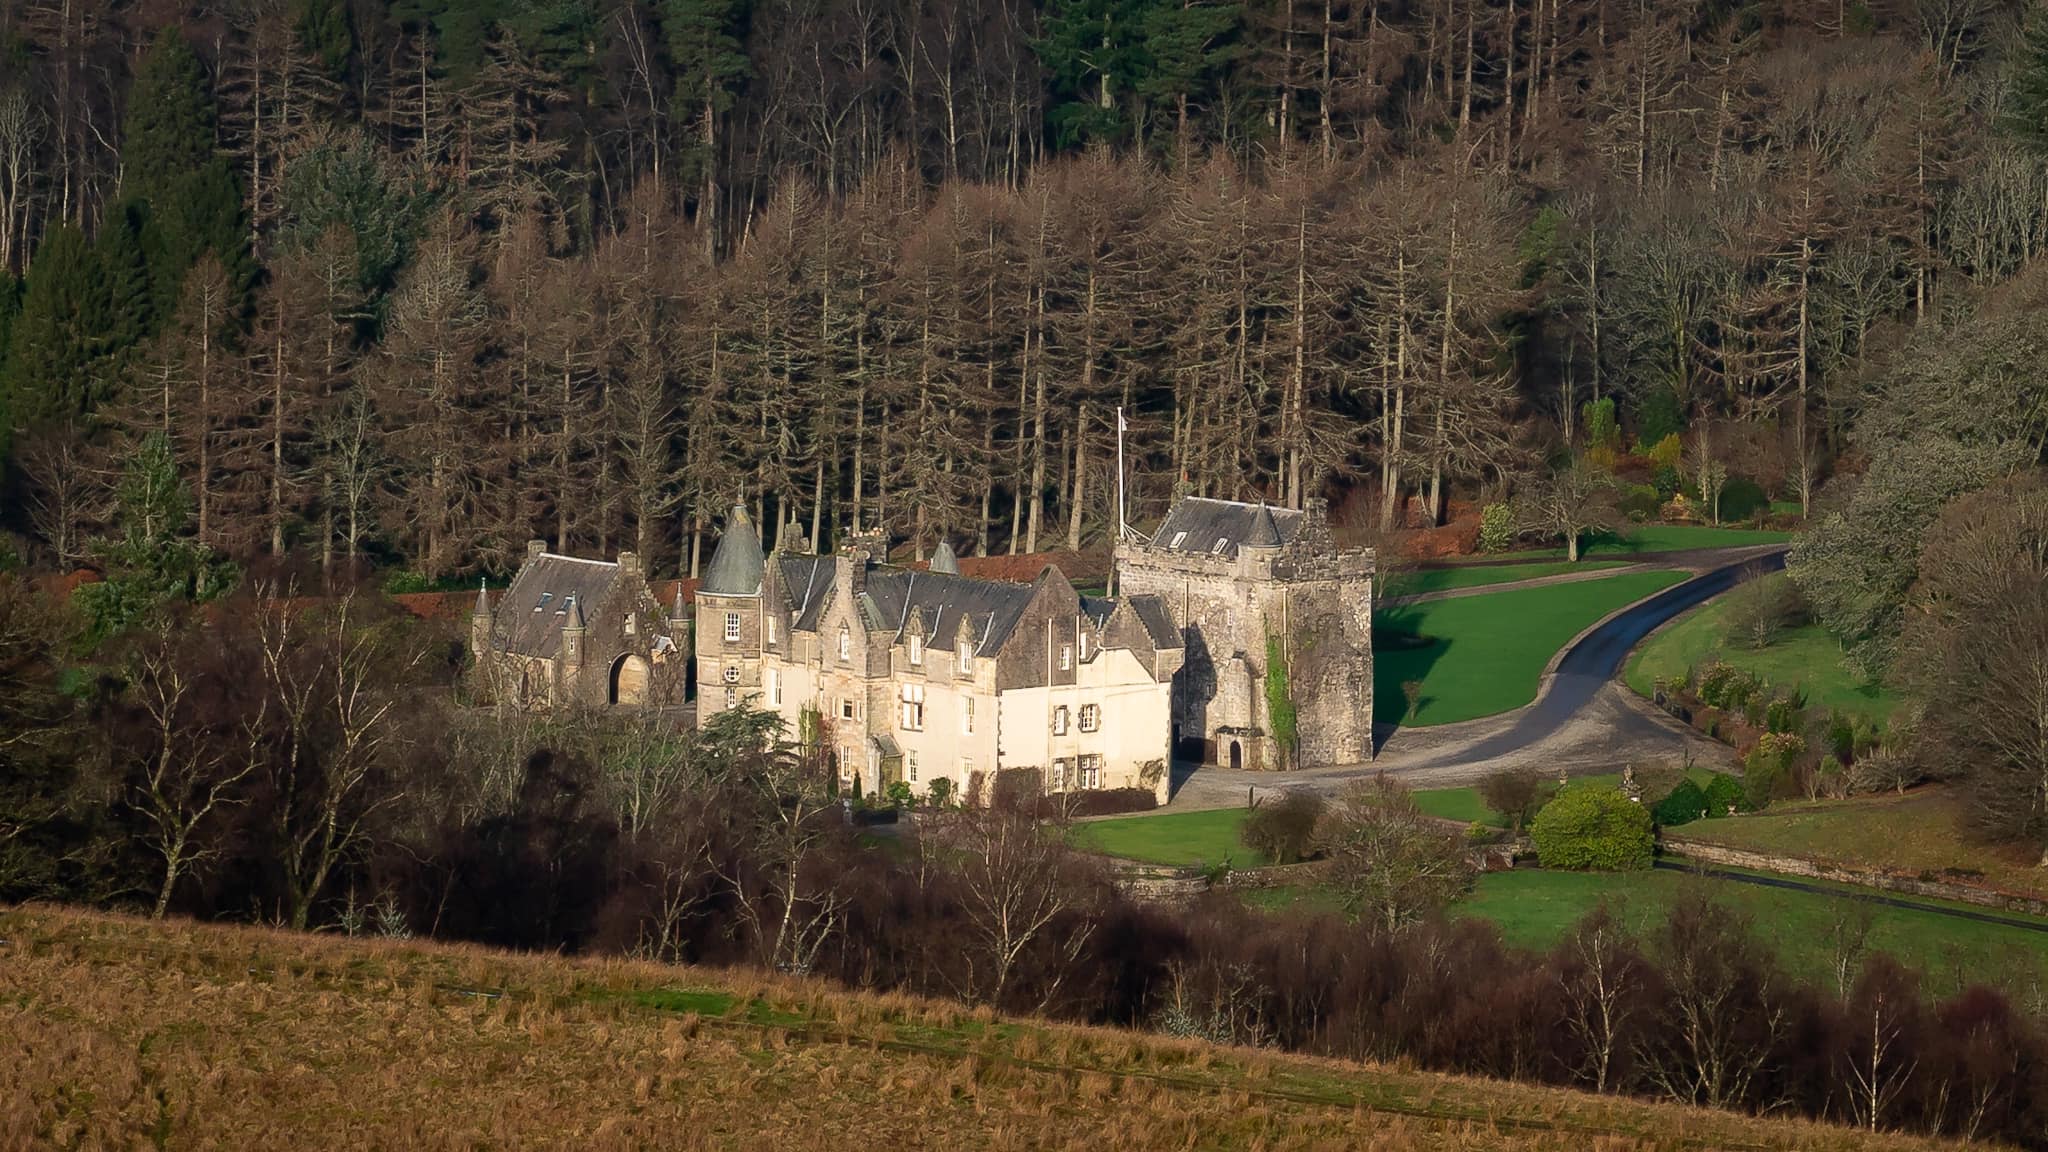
pixel 408 284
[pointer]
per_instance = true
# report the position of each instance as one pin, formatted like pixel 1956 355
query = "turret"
pixel 572 641
pixel 481 621
pixel 943 559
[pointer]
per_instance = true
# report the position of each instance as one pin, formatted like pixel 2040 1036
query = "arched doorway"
pixel 1236 754
pixel 629 680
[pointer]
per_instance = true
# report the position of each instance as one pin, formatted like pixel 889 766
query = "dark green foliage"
pixel 1667 482
pixel 704 44
pixel 2026 102
pixel 56 339
pixel 152 563
pixel 1280 712
pixel 170 130
pixel 1686 803
pixel 1783 713
pixel 1284 829
pixel 1658 414
pixel 1184 48
pixel 1601 427
pixel 326 31
pixel 346 182
pixel 1743 499
pixel 1639 502
pixel 1593 827
pixel 1725 794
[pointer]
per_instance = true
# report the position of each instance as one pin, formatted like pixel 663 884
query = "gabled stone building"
pixel 1244 582
pixel 925 675
pixel 571 632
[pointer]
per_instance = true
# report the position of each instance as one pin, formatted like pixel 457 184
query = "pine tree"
pixel 169 132
pixel 2026 109
pixel 57 338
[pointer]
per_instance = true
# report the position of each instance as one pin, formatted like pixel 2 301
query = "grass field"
pixel 1914 834
pixel 1426 580
pixel 1180 838
pixel 1652 538
pixel 122 1033
pixel 1486 654
pixel 1806 656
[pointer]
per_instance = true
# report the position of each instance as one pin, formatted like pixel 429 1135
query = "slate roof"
pixel 1158 621
pixel 992 607
pixel 1198 525
pixel 943 559
pixel 806 580
pixel 737 564
pixel 533 610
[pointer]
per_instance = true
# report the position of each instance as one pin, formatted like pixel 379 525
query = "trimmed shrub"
pixel 1742 499
pixel 1667 481
pixel 1099 802
pixel 1593 827
pixel 1687 803
pixel 1639 503
pixel 1496 528
pixel 1725 795
pixel 1283 829
pixel 1727 687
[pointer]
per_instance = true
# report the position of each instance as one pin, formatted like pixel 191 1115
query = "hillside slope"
pixel 123 1033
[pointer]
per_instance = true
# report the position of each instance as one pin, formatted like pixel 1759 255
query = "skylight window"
pixel 1220 546
pixel 544 598
pixel 1179 538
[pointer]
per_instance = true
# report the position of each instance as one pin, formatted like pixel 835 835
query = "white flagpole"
pixel 1120 426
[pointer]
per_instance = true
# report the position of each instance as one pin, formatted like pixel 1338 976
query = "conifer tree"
pixel 55 340
pixel 169 132
pixel 2026 113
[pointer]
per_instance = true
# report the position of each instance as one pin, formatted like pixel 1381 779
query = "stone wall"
pixel 1981 895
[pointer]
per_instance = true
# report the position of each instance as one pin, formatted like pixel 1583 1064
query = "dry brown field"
pixel 120 1033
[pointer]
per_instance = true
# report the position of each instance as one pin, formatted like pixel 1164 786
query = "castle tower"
pixel 729 618
pixel 573 630
pixel 481 621
pixel 943 559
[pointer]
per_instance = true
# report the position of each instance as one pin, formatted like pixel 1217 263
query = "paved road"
pixel 1597 658
pixel 1582 719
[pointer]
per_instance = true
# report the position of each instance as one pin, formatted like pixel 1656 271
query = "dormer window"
pixel 966 658
pixel 917 650
pixel 845 643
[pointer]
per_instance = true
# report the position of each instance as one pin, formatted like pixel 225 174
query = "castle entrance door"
pixel 1236 754
pixel 629 681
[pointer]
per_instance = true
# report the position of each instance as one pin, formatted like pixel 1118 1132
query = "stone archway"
pixel 629 681
pixel 1236 754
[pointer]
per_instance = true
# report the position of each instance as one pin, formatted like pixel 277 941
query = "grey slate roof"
pixel 1151 610
pixel 943 559
pixel 992 607
pixel 1264 533
pixel 533 610
pixel 737 564
pixel 1207 527
pixel 806 579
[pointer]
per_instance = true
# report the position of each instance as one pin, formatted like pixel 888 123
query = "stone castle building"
pixel 573 632
pixel 920 676
pixel 1245 582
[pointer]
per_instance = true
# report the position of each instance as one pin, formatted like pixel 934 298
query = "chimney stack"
pixel 535 549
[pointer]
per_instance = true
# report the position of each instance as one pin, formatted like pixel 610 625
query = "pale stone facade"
pixel 572 632
pixel 1242 580
pixel 918 676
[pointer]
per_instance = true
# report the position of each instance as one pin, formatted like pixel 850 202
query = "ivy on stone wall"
pixel 1279 698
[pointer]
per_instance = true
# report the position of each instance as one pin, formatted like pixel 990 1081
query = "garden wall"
pixel 1978 894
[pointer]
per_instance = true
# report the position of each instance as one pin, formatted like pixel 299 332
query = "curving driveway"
pixel 1582 721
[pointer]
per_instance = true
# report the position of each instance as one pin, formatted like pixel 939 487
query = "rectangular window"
pixel 1091 772
pixel 966 658
pixel 846 761
pixel 732 627
pixel 1091 717
pixel 910 765
pixel 1179 538
pixel 543 601
pixel 967 715
pixel 732 697
pixel 774 629
pixel 845 643
pixel 848 710
pixel 775 687
pixel 1059 720
pixel 917 649
pixel 1061 771
pixel 1084 646
pixel 1066 657
pixel 913 708
pixel 967 768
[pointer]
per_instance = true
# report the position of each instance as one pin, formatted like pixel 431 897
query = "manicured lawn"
pixel 1535 908
pixel 1180 838
pixel 1805 656
pixel 1913 834
pixel 1485 654
pixel 1476 576
pixel 1652 538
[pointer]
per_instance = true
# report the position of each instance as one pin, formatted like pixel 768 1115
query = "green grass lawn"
pixel 1914 834
pixel 1179 838
pixel 1426 580
pixel 1805 656
pixel 1535 908
pixel 1485 654
pixel 1651 538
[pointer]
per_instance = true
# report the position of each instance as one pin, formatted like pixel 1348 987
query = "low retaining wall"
pixel 1865 877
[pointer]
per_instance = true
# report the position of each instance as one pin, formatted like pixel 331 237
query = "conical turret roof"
pixel 737 565
pixel 1264 533
pixel 943 559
